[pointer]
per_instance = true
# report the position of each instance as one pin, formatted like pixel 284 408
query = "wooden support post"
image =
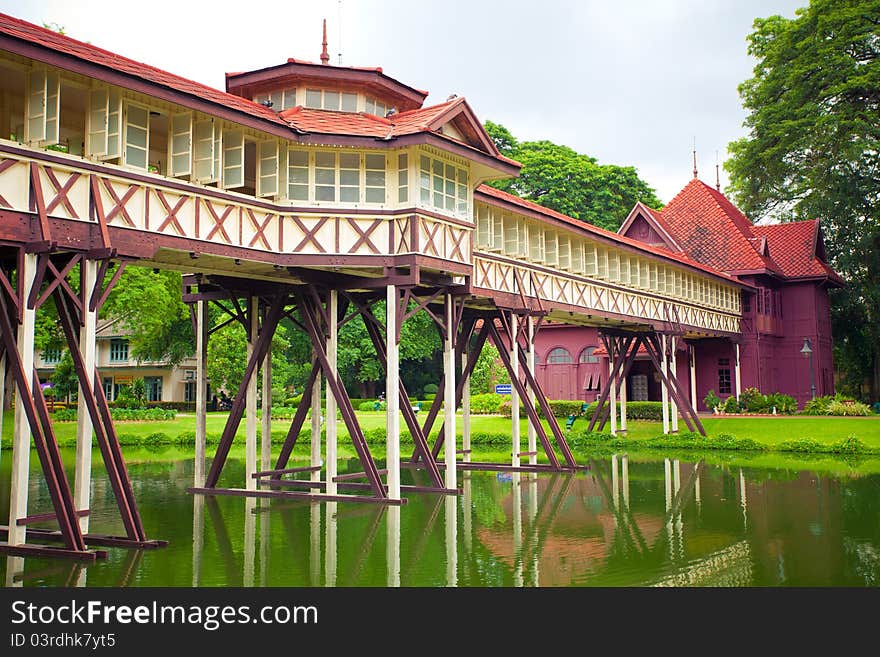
pixel 330 402
pixel 392 547
pixel 87 335
pixel 392 393
pixel 465 409
pixel 451 510
pixel 664 393
pixel 615 486
pixel 449 446
pixel 622 382
pixel 673 372
pixel 266 419
pixel 21 437
pixel 612 381
pixel 532 439
pixel 693 362
pixel 624 467
pixel 737 371
pixel 250 390
pixel 201 391
pixel 330 556
pixel 316 450
pixel 516 443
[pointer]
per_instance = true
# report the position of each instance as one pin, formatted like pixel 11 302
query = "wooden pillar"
pixel 673 366
pixel 612 382
pixel 622 381
pixel 250 540
pixel 516 443
pixel 83 478
pixel 392 394
pixel 201 391
pixel 315 542
pixel 330 404
pixel 624 470
pixel 737 373
pixel 21 437
pixel 465 410
pixel 266 423
pixel 250 390
pixel 693 362
pixel 449 444
pixel 198 535
pixel 518 580
pixel 316 426
pixel 664 392
pixel 615 486
pixel 532 434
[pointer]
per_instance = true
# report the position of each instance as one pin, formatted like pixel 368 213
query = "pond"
pixel 628 521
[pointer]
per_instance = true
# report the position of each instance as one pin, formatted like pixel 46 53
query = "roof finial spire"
pixel 325 56
pixel 695 157
pixel 717 174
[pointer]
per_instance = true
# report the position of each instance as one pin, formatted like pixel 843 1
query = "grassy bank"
pixel 784 434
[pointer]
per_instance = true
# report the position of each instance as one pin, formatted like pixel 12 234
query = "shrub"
pixel 486 404
pixel 641 410
pixel 848 407
pixel 784 404
pixel 751 400
pixel 293 402
pixel 430 389
pixel 711 400
pixel 182 406
pixel 65 415
pixel 818 406
pixel 371 406
pixel 731 405
pixel 429 396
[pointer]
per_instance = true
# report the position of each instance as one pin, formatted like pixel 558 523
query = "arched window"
pixel 587 356
pixel 559 355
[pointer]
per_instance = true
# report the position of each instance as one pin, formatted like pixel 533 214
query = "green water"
pixel 637 521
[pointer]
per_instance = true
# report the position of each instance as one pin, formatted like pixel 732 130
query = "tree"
pixel 812 151
pixel 64 378
pixel 148 303
pixel 488 370
pixel 560 178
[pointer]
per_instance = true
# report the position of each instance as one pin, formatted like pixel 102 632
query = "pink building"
pixel 787 267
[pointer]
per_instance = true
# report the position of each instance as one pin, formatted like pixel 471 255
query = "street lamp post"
pixel 807 351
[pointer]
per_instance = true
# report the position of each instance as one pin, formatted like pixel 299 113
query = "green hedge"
pixel 122 414
pixel 562 408
pixel 487 404
pixel 182 406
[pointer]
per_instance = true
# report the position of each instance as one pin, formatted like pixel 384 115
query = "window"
pixel 206 142
pixel 484 227
pixel 536 244
pixel 43 107
pixel 189 391
pixel 590 260
pixel 281 100
pixel 375 107
pixel 51 355
pixel 267 168
pixel 153 385
pixel 233 159
pixel 443 186
pixel 559 355
pixel 298 175
pixel 374 163
pixel 107 384
pixel 587 356
pixel 102 135
pixel 724 387
pixel 331 100
pixel 118 351
pixel 137 136
pixel 180 155
pixel 325 176
pixel 402 178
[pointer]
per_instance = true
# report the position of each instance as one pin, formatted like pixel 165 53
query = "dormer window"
pixel 281 100
pixel 376 107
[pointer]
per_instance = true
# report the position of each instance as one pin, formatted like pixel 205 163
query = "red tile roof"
pixel 712 230
pixel 40 36
pixel 793 247
pixel 590 228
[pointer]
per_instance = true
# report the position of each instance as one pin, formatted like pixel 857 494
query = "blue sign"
pixel 503 388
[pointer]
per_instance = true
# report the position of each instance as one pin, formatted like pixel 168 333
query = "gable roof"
pixel 712 230
pixel 796 248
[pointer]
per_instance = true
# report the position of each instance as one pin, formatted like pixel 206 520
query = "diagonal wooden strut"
pixel 309 313
pixel 298 419
pixel 627 355
pixel 616 367
pixel 105 432
pixel 264 340
pixel 652 346
pixel 37 414
pixel 419 438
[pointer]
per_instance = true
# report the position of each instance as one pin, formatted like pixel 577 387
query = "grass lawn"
pixel 766 430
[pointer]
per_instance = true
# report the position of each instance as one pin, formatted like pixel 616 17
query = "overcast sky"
pixel 629 82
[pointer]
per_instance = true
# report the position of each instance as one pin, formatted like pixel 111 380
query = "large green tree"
pixel 560 178
pixel 812 151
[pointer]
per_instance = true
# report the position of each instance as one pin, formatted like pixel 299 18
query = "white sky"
pixel 629 82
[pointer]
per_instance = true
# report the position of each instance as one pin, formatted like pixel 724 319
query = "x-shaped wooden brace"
pixel 171 213
pixel 455 240
pixel 309 236
pixel 61 192
pixel 431 231
pixel 364 235
pixel 219 221
pixel 118 203
pixel 260 228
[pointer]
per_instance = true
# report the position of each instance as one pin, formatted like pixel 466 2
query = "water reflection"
pixel 624 522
